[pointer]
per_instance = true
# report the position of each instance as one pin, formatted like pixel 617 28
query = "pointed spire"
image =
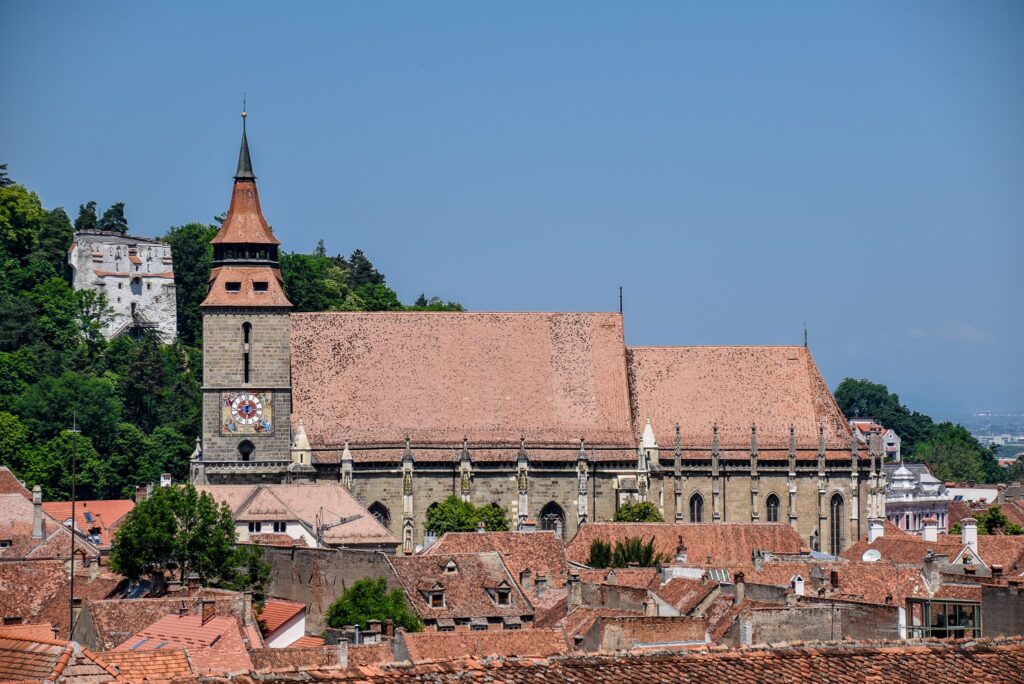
pixel 647 440
pixel 244 171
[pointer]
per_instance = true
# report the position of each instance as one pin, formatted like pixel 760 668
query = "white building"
pixel 913 495
pixel 137 276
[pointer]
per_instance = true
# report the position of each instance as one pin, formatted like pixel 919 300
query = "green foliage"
pixel 600 554
pixel 369 599
pixel 455 515
pixel 113 219
pixel 49 466
pixel 180 531
pixel 638 511
pixel 21 217
pixel 86 219
pixel 378 297
pixel 14 442
pixel 317 283
pixel 950 450
pixel 193 255
pixel 632 550
pixel 434 304
pixel 1015 473
pixel 251 573
pixel 992 521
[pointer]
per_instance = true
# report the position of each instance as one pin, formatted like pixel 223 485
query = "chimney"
pixel 389 628
pixel 741 588
pixel 140 494
pixel 997 570
pixel 182 609
pixel 650 607
pixel 833 579
pixel 680 550
pixel 930 531
pixel 969 533
pixel 526 579
pixel 37 512
pixel 876 529
pixel 798 585
pixel 481 527
pixel 192 581
pixel 575 591
pixel 209 610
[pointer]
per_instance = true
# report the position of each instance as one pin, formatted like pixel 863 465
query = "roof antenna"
pixel 620 300
pixel 805 334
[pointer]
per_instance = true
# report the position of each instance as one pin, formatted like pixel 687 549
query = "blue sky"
pixel 739 168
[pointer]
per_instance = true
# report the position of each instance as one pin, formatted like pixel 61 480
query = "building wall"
pixel 269 373
pixel 809 622
pixel 288 633
pixel 100 262
pixel 1002 611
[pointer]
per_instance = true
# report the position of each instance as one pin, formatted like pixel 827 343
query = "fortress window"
pixel 233 287
pixel 260 286
pixel 772 504
pixel 696 508
pixel 245 450
pixel 246 336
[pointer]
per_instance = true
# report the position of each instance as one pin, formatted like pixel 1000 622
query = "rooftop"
pixel 435 646
pixel 277 612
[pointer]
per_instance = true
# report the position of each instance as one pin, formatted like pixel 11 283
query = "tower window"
pixel 246 336
pixel 245 450
pixel 260 286
pixel 233 286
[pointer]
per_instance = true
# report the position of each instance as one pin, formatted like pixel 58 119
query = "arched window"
pixel 246 449
pixel 772 504
pixel 246 339
pixel 381 513
pixel 836 525
pixel 552 517
pixel 696 508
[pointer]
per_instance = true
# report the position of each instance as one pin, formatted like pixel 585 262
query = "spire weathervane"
pixel 244 171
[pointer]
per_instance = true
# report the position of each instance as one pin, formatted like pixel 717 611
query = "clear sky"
pixel 740 168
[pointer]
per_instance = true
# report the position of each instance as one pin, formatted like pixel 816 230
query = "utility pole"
pixel 74 463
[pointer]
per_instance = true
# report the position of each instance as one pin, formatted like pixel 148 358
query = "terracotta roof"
pixel 308 641
pixel 903 549
pixel 725 543
pixel 1001 549
pixel 244 292
pixel 215 647
pixel 377 378
pixel 34 632
pixel 25 660
pixel 370 654
pixel 542 553
pixel 624 632
pixel 276 539
pixel 426 646
pixel 684 594
pixel 465 590
pixel 101 515
pixel 959 592
pixel 277 612
pixel 582 618
pixel 16 513
pixel 9 484
pixel 166 663
pixel 294 657
pixel 733 387
pixel 304 502
pixel 881 582
pixel 245 223
pixel 637 578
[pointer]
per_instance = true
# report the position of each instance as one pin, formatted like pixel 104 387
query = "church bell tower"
pixel 246 355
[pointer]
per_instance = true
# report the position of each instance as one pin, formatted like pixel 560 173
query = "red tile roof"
pixel 437 377
pixel 215 647
pixel 34 632
pixel 542 553
pixel 684 594
pixel 294 657
pixel 25 660
pixel 370 654
pixel 881 582
pixel 166 663
pixel 427 646
pixel 725 543
pixel 698 387
pixel 637 578
pixel 100 515
pixel 909 549
pixel 246 293
pixel 245 223
pixel 308 641
pixel 16 513
pixel 277 612
pixel 9 484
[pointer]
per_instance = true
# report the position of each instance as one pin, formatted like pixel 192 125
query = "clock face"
pixel 248 412
pixel 247 409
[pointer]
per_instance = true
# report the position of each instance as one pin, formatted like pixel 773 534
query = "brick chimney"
pixel 876 529
pixel 741 588
pixel 37 513
pixel 389 628
pixel 969 534
pixel 575 590
pixel 930 530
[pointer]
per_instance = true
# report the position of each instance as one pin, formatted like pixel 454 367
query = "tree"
pixel 49 465
pixel 992 521
pixel 866 399
pixel 193 255
pixel 14 443
pixel 1015 473
pixel 50 405
pixel 21 216
pixel 600 554
pixel 369 599
pixel 362 272
pixel 954 454
pixel 434 304
pixel 378 297
pixel 86 219
pixel 639 511
pixel 455 515
pixel 315 283
pixel 636 550
pixel 5 180
pixel 180 531
pixel 113 219
pixel 252 573
pixel 55 234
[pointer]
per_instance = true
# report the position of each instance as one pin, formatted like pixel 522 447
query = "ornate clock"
pixel 246 412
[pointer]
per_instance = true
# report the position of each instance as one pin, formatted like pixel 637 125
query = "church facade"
pixel 549 415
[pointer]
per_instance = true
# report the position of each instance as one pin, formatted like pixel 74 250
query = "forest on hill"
pixel 136 403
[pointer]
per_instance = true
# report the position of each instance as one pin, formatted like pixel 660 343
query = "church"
pixel 551 416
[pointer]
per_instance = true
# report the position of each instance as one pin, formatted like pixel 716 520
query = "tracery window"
pixel 696 508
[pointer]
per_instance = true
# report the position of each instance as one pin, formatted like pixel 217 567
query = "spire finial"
pixel 244 171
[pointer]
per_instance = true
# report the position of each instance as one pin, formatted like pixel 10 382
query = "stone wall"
pixel 1002 611
pixel 317 577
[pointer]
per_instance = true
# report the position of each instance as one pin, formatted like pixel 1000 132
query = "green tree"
pixel 86 219
pixel 434 304
pixel 113 219
pixel 193 256
pixel 953 454
pixel 636 550
pixel 600 554
pixel 455 515
pixel 5 180
pixel 378 297
pixel 21 217
pixel 251 573
pixel 362 271
pixel 1015 473
pixel 180 531
pixel 55 234
pixel 48 465
pixel 315 283
pixel 14 443
pixel 50 405
pixel 369 599
pixel 142 383
pixel 992 521
pixel 638 511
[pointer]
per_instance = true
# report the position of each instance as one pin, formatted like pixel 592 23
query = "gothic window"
pixel 246 449
pixel 696 508
pixel 246 337
pixel 552 517
pixel 381 513
pixel 836 525
pixel 772 504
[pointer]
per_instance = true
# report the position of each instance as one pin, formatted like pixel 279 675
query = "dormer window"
pixel 451 568
pixel 233 286
pixel 435 599
pixel 503 597
pixel 260 286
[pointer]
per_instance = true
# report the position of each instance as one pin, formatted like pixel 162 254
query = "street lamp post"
pixel 74 463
